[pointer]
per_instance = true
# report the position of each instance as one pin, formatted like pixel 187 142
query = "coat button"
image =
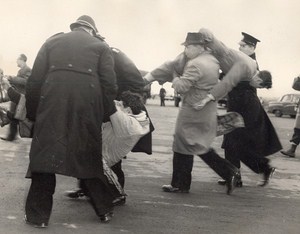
pixel 52 66
pixel 90 70
pixel 70 65
pixel 92 85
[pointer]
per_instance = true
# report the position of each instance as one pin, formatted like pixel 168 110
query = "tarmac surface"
pixel 206 209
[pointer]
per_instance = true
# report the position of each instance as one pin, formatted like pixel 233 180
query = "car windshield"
pixel 290 98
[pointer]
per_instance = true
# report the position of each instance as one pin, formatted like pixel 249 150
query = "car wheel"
pixel 278 113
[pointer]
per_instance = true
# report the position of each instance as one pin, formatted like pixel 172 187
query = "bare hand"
pixel 200 105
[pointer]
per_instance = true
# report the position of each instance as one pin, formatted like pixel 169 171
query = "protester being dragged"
pixel 245 144
pixel 120 134
pixel 253 146
pixel 129 78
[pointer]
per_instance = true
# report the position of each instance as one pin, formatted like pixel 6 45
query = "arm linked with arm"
pixel 108 81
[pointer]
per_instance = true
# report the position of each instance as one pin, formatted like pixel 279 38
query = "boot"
pixel 290 152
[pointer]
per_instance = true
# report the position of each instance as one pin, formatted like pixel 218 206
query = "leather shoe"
pixel 36 225
pixel 75 193
pixel 267 176
pixel 231 183
pixel 7 138
pixel 120 201
pixel 239 183
pixel 105 218
pixel 170 189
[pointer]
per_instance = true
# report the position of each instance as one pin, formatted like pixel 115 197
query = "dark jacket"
pixel 19 81
pixel 259 134
pixel 64 97
pixel 130 78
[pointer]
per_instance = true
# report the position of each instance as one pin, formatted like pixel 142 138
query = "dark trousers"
pixel 117 169
pixel 250 158
pixel 296 136
pixel 182 171
pixel 183 165
pixel 40 197
pixel 13 126
pixel 162 101
pixel 220 165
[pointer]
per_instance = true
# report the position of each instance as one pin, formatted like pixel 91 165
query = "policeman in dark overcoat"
pixel 70 76
pixel 129 78
pixel 258 139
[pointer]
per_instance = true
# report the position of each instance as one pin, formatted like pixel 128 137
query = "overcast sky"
pixel 150 31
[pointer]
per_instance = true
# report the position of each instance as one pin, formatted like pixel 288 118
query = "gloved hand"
pixel 206 35
pixel 200 105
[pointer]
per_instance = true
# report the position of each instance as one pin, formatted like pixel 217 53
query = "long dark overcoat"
pixel 258 135
pixel 65 99
pixel 130 78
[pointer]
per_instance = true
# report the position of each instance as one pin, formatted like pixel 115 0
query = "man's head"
pixel 248 44
pixel 262 79
pixel 133 101
pixel 21 60
pixel 193 45
pixel 85 21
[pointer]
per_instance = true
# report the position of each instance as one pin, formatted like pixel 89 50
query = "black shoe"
pixel 232 182
pixel 239 183
pixel 120 201
pixel 106 217
pixel 36 225
pixel 222 182
pixel 7 138
pixel 267 176
pixel 75 193
pixel 170 189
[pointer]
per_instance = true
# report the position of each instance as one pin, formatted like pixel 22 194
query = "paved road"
pixel 207 209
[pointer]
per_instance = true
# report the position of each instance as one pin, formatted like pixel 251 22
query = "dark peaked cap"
pixel 248 39
pixel 85 20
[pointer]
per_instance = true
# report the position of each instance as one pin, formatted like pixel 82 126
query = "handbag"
pixel 26 128
pixel 25 125
pixel 296 83
pixel 3 93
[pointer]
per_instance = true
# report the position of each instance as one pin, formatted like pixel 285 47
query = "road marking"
pixel 172 204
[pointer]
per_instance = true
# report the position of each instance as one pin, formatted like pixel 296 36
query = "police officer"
pixel 72 74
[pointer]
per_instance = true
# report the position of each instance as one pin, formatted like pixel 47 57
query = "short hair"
pixel 266 79
pixel 132 100
pixel 23 57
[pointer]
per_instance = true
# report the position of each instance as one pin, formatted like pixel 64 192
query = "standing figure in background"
pixel 295 140
pixel 162 95
pixel 72 77
pixel 19 83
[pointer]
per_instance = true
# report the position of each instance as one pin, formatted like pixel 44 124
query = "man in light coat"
pixel 195 130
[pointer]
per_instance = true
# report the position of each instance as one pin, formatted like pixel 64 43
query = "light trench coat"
pixel 196 129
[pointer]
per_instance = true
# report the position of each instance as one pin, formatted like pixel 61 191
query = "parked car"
pixel 286 105
pixel 169 98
